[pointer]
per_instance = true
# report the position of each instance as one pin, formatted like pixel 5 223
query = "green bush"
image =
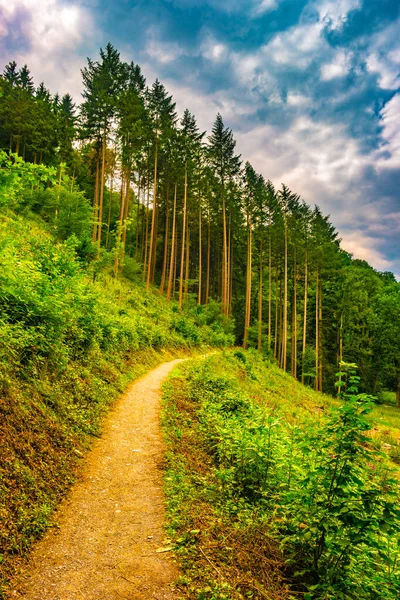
pixel 328 498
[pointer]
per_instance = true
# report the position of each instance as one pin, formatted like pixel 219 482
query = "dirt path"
pixel 111 525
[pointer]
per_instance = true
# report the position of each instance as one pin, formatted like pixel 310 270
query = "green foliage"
pixel 16 176
pixel 310 479
pixel 67 211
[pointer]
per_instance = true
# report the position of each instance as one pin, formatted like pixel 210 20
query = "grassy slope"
pixel 68 348
pixel 224 543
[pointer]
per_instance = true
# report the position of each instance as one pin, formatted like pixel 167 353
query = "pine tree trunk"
pixel 248 283
pixel 186 286
pixel 294 318
pixel 166 241
pixel 155 236
pixel 96 199
pixel 121 217
pixel 101 199
pixel 340 349
pixel 229 267
pixel 126 213
pixel 316 383
pixel 304 317
pixel 285 303
pixel 276 333
pixel 176 263
pixel 260 299
pixel 137 223
pixel 109 213
pixel 206 300
pixel 269 291
pixel 200 258
pixel 224 257
pixel 180 301
pixel 153 222
pixel 173 248
pixel 142 229
pixel 146 237
pixel 230 276
pixel 280 323
pixel 320 339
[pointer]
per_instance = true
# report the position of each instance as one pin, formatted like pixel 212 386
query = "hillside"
pixel 71 337
pixel 277 491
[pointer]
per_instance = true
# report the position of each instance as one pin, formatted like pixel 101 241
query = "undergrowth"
pixel 275 491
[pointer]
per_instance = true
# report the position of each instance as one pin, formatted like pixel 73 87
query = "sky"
pixel 310 88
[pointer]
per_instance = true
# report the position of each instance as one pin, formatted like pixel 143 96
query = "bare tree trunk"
pixel 340 349
pixel 101 199
pixel 173 248
pixel 146 238
pixel 96 199
pixel 186 286
pixel 126 214
pixel 285 297
pixel 224 256
pixel 208 258
pixel 166 241
pixel 153 222
pixel 121 217
pixel 260 299
pixel 276 332
pixel 248 282
pixel 176 263
pixel 183 241
pixel 200 258
pixel 320 339
pixel 280 324
pixel 294 318
pixel 229 267
pixel 109 213
pixel 137 223
pixel 230 275
pixel 269 291
pixel 316 383
pixel 305 317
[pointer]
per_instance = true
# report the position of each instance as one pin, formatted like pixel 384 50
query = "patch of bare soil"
pixel 110 542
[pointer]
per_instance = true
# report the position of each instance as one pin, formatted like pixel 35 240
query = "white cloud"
pixel 389 154
pixel 264 6
pixel 212 49
pixel 335 11
pixel 52 32
pixel 297 46
pixel 298 100
pixel 365 247
pixel 163 52
pixel 384 56
pixel 339 67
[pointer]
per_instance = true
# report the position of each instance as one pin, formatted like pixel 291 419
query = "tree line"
pixel 203 224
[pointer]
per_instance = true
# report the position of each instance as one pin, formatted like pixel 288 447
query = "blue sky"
pixel 309 87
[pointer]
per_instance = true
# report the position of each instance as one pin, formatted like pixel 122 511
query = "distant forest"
pixel 147 186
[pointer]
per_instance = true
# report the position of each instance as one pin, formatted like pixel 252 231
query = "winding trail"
pixel 111 524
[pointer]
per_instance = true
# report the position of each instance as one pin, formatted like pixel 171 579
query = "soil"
pixel 109 542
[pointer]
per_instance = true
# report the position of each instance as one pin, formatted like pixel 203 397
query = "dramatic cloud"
pixel 48 35
pixel 310 88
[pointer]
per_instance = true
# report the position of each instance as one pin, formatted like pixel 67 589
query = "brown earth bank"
pixel 109 542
